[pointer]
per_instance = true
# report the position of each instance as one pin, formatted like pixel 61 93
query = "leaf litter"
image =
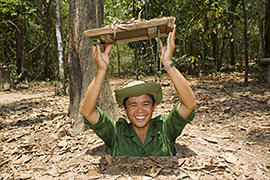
pixel 228 139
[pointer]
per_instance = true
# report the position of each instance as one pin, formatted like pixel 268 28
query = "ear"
pixel 154 107
pixel 123 107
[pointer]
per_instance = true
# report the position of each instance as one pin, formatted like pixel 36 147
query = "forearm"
pixel 187 96
pixel 88 107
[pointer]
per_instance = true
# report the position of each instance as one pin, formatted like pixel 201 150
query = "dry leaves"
pixel 228 139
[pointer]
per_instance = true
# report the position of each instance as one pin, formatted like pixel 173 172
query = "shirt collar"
pixel 153 131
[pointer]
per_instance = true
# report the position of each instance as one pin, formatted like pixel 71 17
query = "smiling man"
pixel 143 135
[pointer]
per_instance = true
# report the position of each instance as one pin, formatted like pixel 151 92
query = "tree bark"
pixel 233 5
pixel 61 74
pixel 215 42
pixel 267 35
pixel 84 15
pixel 20 58
pixel 118 60
pixel 136 49
pixel 205 53
pixel 2 50
pixel 267 29
pixel 260 28
pixel 246 45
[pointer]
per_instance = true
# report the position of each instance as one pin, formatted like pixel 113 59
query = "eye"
pixel 146 104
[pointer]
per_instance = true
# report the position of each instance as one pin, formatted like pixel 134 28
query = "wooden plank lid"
pixel 131 30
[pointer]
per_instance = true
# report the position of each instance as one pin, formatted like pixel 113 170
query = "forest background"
pixel 229 137
pixel 209 37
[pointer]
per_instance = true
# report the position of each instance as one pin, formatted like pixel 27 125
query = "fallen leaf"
pixel 181 162
pixel 108 159
pixel 26 174
pixel 62 143
pixel 223 99
pixel 211 139
pixel 229 157
pixel 153 172
pixel 70 175
pixel 236 169
pixel 53 172
pixel 202 141
pixel 23 159
pixel 57 158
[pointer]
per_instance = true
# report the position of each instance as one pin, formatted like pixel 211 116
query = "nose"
pixel 140 108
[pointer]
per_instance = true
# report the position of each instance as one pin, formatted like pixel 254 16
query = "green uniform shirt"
pixel 159 141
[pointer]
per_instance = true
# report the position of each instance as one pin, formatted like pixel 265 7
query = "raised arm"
pixel 88 107
pixel 187 96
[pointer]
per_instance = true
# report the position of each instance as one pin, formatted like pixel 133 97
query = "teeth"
pixel 140 117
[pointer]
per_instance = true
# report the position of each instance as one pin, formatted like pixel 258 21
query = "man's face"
pixel 139 110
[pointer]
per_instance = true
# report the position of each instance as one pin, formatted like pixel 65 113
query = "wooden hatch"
pixel 131 30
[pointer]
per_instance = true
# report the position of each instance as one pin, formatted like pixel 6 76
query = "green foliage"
pixel 40 48
pixel 14 76
pixel 202 27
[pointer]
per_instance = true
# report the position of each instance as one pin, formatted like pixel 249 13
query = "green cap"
pixel 137 88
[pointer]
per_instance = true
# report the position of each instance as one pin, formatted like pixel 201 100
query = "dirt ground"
pixel 228 139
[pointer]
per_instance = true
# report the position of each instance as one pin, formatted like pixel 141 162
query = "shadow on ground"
pixel 115 165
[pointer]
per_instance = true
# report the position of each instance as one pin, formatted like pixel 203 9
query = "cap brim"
pixel 140 89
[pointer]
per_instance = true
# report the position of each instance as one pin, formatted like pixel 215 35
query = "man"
pixel 143 136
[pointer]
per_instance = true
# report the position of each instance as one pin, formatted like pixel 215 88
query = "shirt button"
pixel 143 152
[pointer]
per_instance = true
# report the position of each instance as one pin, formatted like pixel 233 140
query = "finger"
pixel 173 35
pixel 169 38
pixel 174 30
pixel 93 49
pixel 98 50
pixel 108 49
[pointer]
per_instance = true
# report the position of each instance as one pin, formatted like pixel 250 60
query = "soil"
pixel 228 139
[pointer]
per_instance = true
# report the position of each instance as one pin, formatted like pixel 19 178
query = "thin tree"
pixel 20 57
pixel 136 48
pixel 246 45
pixel 233 4
pixel 260 28
pixel 267 29
pixel 151 44
pixel 267 35
pixel 60 49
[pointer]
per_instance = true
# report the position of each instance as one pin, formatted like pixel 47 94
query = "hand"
pixel 167 51
pixel 102 59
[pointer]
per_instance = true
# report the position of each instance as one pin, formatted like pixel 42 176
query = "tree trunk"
pixel 267 29
pixel 60 49
pixel 118 60
pixel 66 58
pixel 215 42
pixel 267 35
pixel 83 15
pixel 151 45
pixel 136 49
pixel 260 28
pixel 20 58
pixel 246 45
pixel 2 50
pixel 205 53
pixel 49 20
pixel 233 5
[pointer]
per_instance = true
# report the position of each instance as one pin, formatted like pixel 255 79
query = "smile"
pixel 140 117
